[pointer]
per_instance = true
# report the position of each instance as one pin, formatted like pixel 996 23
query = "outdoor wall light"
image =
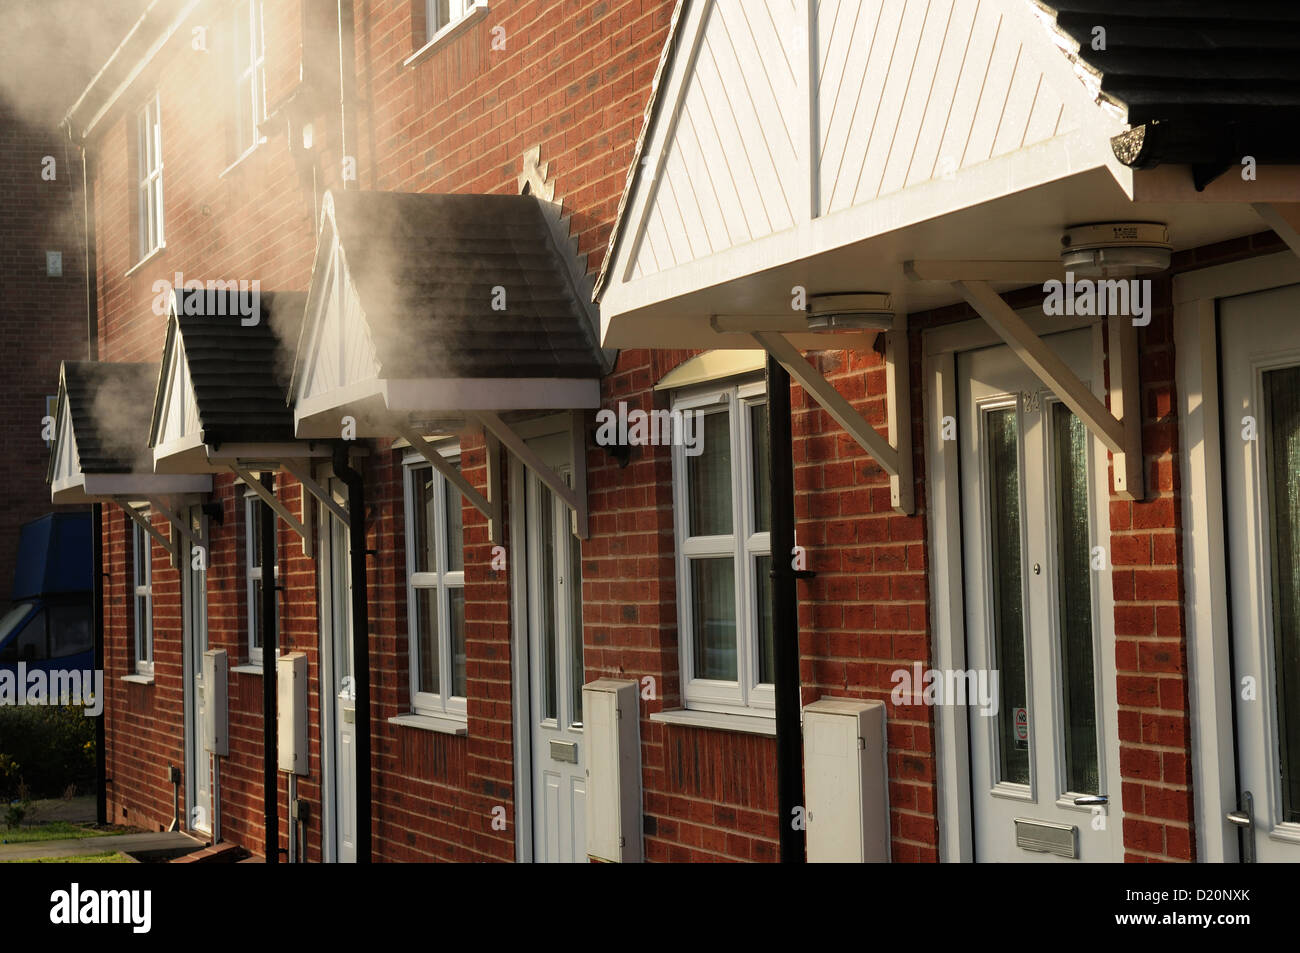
pixel 1112 249
pixel 859 311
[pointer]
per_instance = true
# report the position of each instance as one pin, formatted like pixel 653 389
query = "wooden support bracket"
pixel 1283 218
pixel 274 502
pixel 489 508
pixel 147 525
pixel 1121 431
pixel 300 470
pixel 494 426
pixel 893 455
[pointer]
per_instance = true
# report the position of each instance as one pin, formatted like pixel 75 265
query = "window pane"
pixel 709 479
pixel 713 616
pixel 1074 588
pixel 456 614
pixel 546 525
pixel 763 612
pixel 422 520
pixel 439 15
pixel 577 672
pixel 1282 471
pixel 241 38
pixel 1002 434
pixel 255 613
pixel 426 633
pixel 455 529
pixel 761 457
pixel 255 533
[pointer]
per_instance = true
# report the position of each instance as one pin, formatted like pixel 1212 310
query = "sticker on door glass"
pixel 1022 727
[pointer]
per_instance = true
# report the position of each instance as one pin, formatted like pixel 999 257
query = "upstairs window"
pixel 250 75
pixel 149 167
pixel 435 562
pixel 724 561
pixel 440 14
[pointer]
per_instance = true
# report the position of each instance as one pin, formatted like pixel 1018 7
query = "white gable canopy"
pixel 426 308
pixel 220 399
pixel 822 144
pixel 101 451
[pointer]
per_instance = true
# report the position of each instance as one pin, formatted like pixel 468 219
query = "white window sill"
pixel 721 721
pixel 138 679
pixel 242 156
pixel 447 34
pixel 446 725
pixel 145 260
pixel 248 668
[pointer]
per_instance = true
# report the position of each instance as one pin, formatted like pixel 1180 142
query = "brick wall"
pixel 43 320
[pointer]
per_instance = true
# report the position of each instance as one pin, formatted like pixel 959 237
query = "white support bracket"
pixel 577 502
pixel 893 455
pixel 147 525
pixel 180 530
pixel 1283 218
pixel 1120 431
pixel 300 470
pixel 274 502
pixel 489 507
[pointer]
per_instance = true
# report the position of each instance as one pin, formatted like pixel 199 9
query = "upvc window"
pixel 253 510
pixel 443 13
pixel 435 589
pixel 250 75
pixel 149 177
pixel 721 515
pixel 142 579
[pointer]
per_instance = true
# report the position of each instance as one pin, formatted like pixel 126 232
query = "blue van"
pixel 49 624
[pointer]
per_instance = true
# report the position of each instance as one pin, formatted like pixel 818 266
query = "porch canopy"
pixel 931 153
pixel 219 404
pixel 101 443
pixel 433 313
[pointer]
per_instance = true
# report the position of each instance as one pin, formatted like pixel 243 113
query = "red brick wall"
pixel 574 79
pixel 43 320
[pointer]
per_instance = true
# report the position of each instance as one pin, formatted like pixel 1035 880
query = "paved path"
pixel 74 846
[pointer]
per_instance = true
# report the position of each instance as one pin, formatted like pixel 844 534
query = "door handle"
pixel 1088 800
pixel 1244 819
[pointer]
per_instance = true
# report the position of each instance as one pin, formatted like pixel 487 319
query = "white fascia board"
pixel 1075 153
pixel 429 395
pixel 145 485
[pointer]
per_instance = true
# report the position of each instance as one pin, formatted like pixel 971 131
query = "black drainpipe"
pixel 270 642
pixel 360 641
pixel 96 509
pixel 785 619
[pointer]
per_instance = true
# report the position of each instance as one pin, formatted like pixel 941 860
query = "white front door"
pixel 338 709
pixel 555 670
pixel 194 613
pixel 1034 513
pixel 1260 336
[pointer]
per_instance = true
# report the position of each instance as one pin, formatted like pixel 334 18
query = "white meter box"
pixel 846 781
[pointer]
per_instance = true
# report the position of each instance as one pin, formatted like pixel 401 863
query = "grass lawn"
pixel 54 830
pixel 108 857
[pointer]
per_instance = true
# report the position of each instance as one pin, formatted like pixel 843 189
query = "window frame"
pixel 442 703
pixel 253 575
pixel 250 81
pixel 151 235
pixel 431 25
pixel 744 545
pixel 142 598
